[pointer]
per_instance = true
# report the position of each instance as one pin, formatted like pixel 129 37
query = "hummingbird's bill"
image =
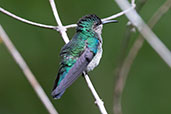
pixel 109 21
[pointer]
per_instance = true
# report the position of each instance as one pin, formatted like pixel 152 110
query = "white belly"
pixel 95 61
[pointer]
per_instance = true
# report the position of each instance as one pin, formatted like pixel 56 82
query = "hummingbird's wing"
pixel 76 70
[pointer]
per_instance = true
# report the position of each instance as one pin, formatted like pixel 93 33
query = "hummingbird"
pixel 81 54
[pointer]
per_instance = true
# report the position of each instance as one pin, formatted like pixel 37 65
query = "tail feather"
pixel 57 96
pixel 72 74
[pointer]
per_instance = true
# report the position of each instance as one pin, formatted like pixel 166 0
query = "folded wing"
pixel 79 66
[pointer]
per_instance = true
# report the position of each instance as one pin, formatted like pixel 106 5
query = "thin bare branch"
pixel 121 13
pixel 62 30
pixel 26 21
pixel 71 26
pixel 110 17
pixel 98 101
pixel 117 109
pixel 124 70
pixel 146 32
pixel 60 26
pixel 27 72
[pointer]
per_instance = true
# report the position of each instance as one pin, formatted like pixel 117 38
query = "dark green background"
pixel 148 88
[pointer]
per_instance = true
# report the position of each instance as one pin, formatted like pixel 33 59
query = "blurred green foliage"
pixel 147 89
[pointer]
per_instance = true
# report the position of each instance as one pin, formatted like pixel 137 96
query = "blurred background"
pixel 148 85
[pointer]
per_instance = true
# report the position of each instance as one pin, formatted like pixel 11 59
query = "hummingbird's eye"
pixel 96 24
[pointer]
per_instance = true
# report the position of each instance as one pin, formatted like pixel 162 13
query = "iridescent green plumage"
pixel 71 51
pixel 82 53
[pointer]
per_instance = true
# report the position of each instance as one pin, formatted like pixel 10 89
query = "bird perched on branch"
pixel 81 54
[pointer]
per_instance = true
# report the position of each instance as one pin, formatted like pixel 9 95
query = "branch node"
pixel 61 28
pixel 99 102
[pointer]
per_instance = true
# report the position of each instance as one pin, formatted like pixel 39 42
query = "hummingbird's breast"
pixel 95 61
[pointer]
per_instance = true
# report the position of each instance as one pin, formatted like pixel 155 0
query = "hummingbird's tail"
pixel 57 96
pixel 54 90
pixel 72 74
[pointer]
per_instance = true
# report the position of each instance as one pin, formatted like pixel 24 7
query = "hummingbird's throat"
pixel 98 29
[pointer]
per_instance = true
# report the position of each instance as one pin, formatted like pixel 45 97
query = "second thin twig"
pixel 26 21
pixel 27 72
pixel 124 70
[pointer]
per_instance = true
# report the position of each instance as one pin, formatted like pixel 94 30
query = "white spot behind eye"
pixel 98 29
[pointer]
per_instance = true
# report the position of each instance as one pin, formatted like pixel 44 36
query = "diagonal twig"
pixel 117 108
pixel 124 70
pixel 27 72
pixel 146 32
pixel 98 101
pixel 61 28
pixel 139 42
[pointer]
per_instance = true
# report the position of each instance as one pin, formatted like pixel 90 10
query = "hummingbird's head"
pixel 91 23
